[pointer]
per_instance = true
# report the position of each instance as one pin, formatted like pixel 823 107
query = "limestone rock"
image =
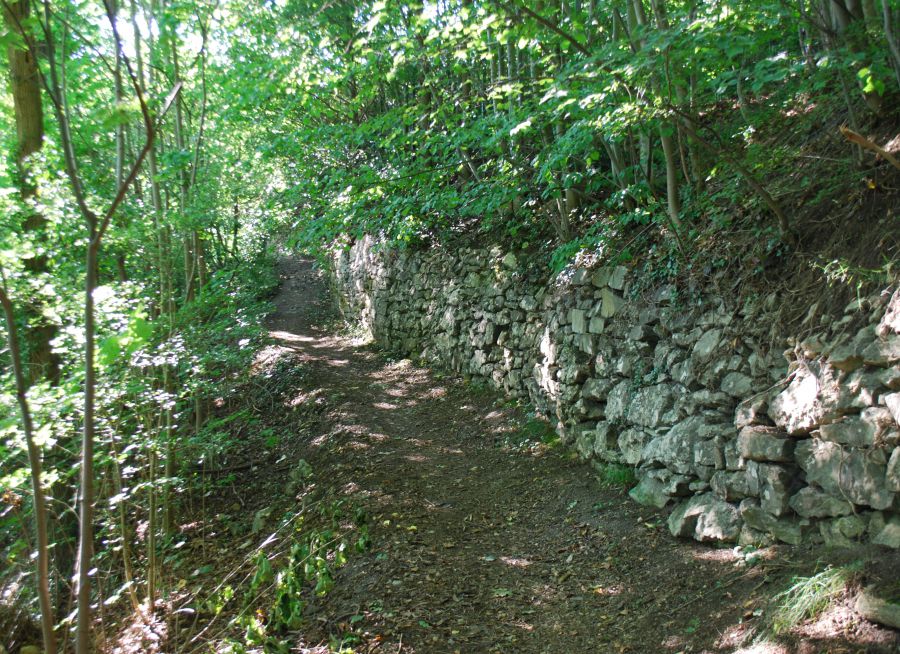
pixel 892 402
pixel 889 534
pixel 775 486
pixel 892 476
pixel 814 397
pixel 706 346
pixel 687 339
pixel 580 277
pixel 597 388
pixel 705 518
pixel 788 531
pixel 709 453
pixel 645 333
pixel 733 458
pixel 528 303
pixel 605 438
pixel 683 373
pixel 577 318
pixel 650 492
pixel 510 261
pixel 584 441
pixel 760 443
pixel 859 431
pixel 707 399
pixel 589 409
pixel 846 531
pixel 737 384
pixel 883 351
pixel 610 303
pixel 890 378
pixel 730 486
pixel 617 401
pixel 873 607
pixel 649 405
pixel 600 277
pixel 848 355
pixel 631 444
pixel 752 411
pixel 862 388
pixel 755 538
pixel 596 325
pixel 810 502
pixel 617 278
pixel 857 474
pixel 675 448
pixel 890 322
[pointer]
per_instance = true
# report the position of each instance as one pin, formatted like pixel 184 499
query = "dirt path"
pixel 482 541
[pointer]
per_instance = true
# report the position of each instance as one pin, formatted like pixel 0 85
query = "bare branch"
pixel 862 141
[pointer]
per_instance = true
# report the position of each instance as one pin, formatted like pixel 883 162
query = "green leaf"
pixel 109 351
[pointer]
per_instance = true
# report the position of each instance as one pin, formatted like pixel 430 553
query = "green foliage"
pixel 481 118
pixel 807 597
pixel 415 122
pixel 533 433
pixel 313 556
pixel 616 475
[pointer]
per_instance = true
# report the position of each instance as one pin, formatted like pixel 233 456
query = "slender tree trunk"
pixel 152 526
pixel 674 203
pixel 198 236
pixel 124 532
pixel 666 137
pixel 235 227
pixel 890 38
pixel 37 489
pixel 86 492
pixel 120 98
pixel 169 437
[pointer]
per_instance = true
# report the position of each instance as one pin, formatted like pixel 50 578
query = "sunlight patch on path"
pixel 290 337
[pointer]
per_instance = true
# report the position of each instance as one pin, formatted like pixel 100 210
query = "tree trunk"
pixel 891 39
pixel 86 492
pixel 668 146
pixel 25 84
pixel 37 489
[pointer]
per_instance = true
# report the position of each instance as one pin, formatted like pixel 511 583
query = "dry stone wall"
pixel 748 438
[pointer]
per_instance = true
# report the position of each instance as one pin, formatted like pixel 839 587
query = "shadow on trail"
pixel 483 542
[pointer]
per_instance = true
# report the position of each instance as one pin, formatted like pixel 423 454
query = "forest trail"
pixel 483 541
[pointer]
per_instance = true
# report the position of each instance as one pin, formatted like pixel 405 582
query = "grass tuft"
pixel 615 475
pixel 807 597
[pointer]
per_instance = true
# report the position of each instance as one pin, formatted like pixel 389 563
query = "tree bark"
pixel 25 80
pixel 37 490
pixel 890 38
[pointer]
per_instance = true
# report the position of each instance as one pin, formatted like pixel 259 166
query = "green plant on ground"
pixel 807 597
pixel 842 272
pixel 314 555
pixel 534 432
pixel 616 475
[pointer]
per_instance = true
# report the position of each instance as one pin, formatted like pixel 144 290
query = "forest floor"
pixel 482 538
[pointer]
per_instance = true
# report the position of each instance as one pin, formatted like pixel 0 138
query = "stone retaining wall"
pixel 745 440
